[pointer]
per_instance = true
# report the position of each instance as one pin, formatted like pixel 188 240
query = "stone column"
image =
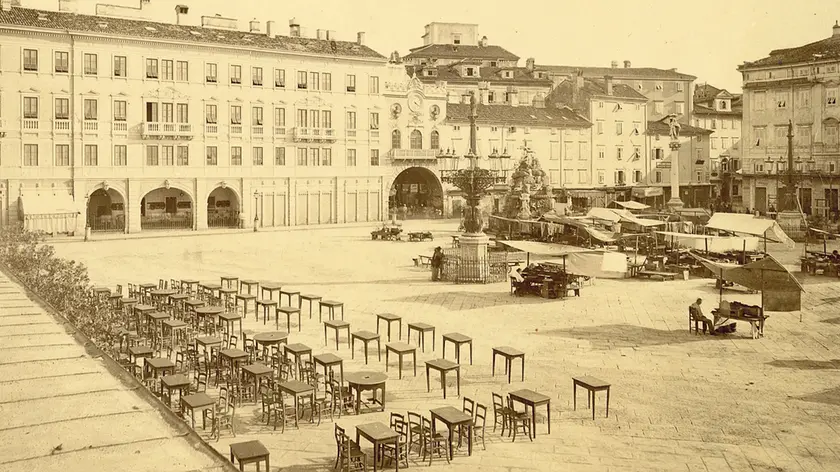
pixel 674 202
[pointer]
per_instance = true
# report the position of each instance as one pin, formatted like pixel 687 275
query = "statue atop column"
pixel 674 127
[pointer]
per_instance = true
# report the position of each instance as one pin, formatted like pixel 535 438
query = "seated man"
pixel 516 279
pixel 712 324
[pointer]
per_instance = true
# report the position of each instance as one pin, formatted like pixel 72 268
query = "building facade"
pixel 450 43
pixel 696 189
pixel 720 112
pixel 146 125
pixel 799 86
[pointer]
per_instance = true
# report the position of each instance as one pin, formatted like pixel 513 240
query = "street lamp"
pixel 256 218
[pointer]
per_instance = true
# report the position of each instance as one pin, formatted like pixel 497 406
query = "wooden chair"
pixel 348 452
pixel 432 443
pixel 279 408
pixel 697 319
pixel 223 418
pixel 415 431
pixel 400 451
pixel 517 419
pixel 479 424
pixel 499 413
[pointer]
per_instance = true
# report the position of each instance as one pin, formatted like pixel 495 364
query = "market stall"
pixel 780 290
pixel 743 224
pixel 577 260
pixel 50 213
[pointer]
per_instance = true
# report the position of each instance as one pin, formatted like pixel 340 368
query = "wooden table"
pixel 160 296
pixel 422 329
pixel 230 320
pixel 233 357
pixel 443 366
pixel 389 318
pixel 458 339
pixel 227 295
pixel 297 350
pixel 378 434
pixel 288 311
pixel 366 337
pixel 138 352
pixel 189 286
pixel 266 305
pixel 270 338
pixel 249 284
pixel 205 311
pixel 592 385
pixel 309 297
pixel 229 281
pixel 296 389
pixel 336 325
pixel 453 418
pixel 401 349
pixel 155 365
pixel 155 319
pixel 328 361
pixel 198 401
pixel 250 452
pixel 247 297
pixel 174 382
pixel 174 326
pixel 141 310
pixel 145 290
pixel 533 399
pixel 509 354
pixel 370 381
pixel 205 341
pixel 209 288
pixel 289 293
pixel 257 371
pixel 331 306
pixel 270 287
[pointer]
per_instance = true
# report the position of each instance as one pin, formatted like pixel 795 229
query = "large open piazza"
pixel 679 401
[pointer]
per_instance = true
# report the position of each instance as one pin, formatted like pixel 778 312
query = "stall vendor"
pixel 714 323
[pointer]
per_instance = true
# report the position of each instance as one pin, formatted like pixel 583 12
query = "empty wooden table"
pixel 203 312
pixel 251 285
pixel 443 366
pixel 246 298
pixel 169 383
pixel 230 319
pixel 189 286
pixel 378 434
pixel 176 329
pixel 270 338
pixel 233 357
pixel 328 361
pixel 388 318
pixel 229 281
pixel 152 366
pixel 197 401
pixel 297 389
pixel 205 341
pixel 458 339
pixel 367 381
pixel 288 311
pixel 592 385
pixel 227 295
pixel 509 354
pixel 366 337
pixel 532 399
pixel 267 305
pixel 401 349
pixel 155 322
pixel 289 293
pixel 297 350
pixel 270 287
pixel 139 352
pixel 257 371
pixel 207 290
pixel 250 452
pixel 453 418
pixel 336 325
pixel 331 306
pixel 309 297
pixel 422 329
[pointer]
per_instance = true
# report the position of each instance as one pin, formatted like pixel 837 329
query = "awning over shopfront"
pixel 740 223
pixel 647 192
pixel 51 213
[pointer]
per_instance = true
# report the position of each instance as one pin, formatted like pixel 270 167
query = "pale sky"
pixel 707 39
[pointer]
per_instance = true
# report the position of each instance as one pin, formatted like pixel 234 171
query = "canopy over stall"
pixel 695 215
pixel 612 215
pixel 599 235
pixel 780 290
pixel 740 223
pixel 707 242
pixel 51 213
pixel 577 260
pixel 628 205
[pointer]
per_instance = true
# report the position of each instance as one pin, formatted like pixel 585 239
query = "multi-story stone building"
pixel 797 85
pixel 720 112
pixel 143 125
pixel 450 43
pixel 696 189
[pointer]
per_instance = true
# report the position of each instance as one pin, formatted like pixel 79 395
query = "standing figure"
pixel 674 126
pixel 437 264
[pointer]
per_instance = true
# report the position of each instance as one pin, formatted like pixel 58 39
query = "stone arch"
pixel 222 210
pixel 167 208
pixel 416 192
pixel 106 209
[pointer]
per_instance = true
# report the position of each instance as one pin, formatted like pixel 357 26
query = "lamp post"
pixel 789 217
pixel 256 218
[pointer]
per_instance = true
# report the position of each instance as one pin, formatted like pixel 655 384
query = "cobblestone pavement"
pixel 679 402
pixel 62 410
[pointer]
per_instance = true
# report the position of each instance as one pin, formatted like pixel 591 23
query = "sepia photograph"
pixel 616 220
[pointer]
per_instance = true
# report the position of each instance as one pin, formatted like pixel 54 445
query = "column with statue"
pixel 674 203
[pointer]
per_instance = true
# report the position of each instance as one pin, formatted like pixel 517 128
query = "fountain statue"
pixel 530 193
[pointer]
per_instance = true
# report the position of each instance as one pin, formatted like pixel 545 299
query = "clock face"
pixel 415 102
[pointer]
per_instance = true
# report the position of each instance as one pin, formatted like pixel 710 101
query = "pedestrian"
pixel 437 264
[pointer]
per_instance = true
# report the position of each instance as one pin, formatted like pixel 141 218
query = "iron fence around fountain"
pixel 463 267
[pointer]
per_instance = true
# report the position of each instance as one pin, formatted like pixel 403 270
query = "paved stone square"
pixel 679 401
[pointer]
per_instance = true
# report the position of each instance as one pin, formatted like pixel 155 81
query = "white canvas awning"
pixel 51 213
pixel 707 242
pixel 544 249
pixel 740 223
pixel 629 205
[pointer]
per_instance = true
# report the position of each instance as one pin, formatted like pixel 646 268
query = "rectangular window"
pixel 314 118
pixel 151 68
pixel 167 155
pixel 152 156
pixel 91 64
pixel 301 156
pixel 600 126
pixel 713 142
pixel 602 152
pixel 619 152
pixel 724 123
pixel 637 176
pixel 373 85
pixel 30 155
pixel 351 83
pixel 120 108
pixel 302 119
pixel 62 109
pixel 211 73
pixel 256 116
pixel 374 157
pixel 713 123
pixel 235 115
pixel 758 100
pixel 803 98
pixel 314 80
pixel 326 119
pixel 280 78
pixel 257 155
pixel 658 107
pixel 781 135
pixel 212 155
pixel 257 76
pixel 183 155
pixel 680 86
pixel 781 100
pixel 91 109
pixel 91 155
pixel 236 74
pixel 830 132
pixel 351 120
pixel 583 151
pixel 236 156
pixel 120 66
pixel 30 61
pixel 280 117
pixel 567 176
pixel 211 114
pixel 724 143
pixel 182 71
pixel 30 108
pixel 314 157
pixel 326 82
pixel 62 155
pixel 831 97
pixel 602 176
pixel 758 134
pixel 326 157
pixel 120 158
pixel 351 158
pixel 680 106
pixel 803 136
pixel 583 177
pixel 279 156
pixel 62 62
pixel 374 120
pixel 657 177
pixel 568 150
pixel 619 128
pixel 167 69
pixel 302 79
pixel 182 113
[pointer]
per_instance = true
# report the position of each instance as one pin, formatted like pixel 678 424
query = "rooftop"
pixel 563 92
pixel 705 110
pixel 824 49
pixel 517 115
pixel 662 128
pixel 620 72
pixel 154 31
pixel 458 51
pixel 450 73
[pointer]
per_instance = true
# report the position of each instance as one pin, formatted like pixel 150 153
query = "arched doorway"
pixel 106 211
pixel 416 193
pixel 166 208
pixel 222 209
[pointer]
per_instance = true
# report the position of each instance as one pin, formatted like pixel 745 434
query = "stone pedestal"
pixel 473 253
pixel 791 223
pixel 674 203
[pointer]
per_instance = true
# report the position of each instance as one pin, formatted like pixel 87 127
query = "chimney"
pixel 271 28
pixel 68 6
pixel 483 42
pixel 626 64
pixel 321 34
pixel 360 38
pixel 294 28
pixel 180 12
pixel 577 86
pixel 835 30
pixel 331 36
pixel 254 26
pixel 614 64
pixel 529 64
pixel 609 81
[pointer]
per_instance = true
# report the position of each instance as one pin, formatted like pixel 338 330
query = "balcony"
pixel 236 129
pixel 422 154
pixel 167 131
pixel 31 124
pixel 280 131
pixel 351 133
pixel 119 128
pixel 374 134
pixel 313 134
pixel 61 126
pixel 257 130
pixel 211 129
pixel 90 126
pixel 823 148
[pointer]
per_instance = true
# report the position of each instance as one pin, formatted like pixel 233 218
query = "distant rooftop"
pixel 517 115
pixel 520 75
pixel 824 49
pixel 620 72
pixel 459 51
pixel 663 129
